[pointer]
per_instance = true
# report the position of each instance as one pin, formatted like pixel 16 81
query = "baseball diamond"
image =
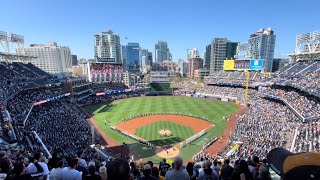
pixel 120 113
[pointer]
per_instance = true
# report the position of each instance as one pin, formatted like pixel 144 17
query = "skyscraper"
pixel 208 57
pixel 74 60
pixel 193 53
pixel 231 50
pixel 107 46
pixel 194 64
pixel 144 60
pixel 150 58
pixel 162 52
pixel 221 49
pixel 261 46
pixel 51 58
pixel 131 57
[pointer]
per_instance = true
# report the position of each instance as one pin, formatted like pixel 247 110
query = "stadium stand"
pixel 58 128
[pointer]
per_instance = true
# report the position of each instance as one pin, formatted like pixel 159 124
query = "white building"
pixel 107 46
pixel 193 53
pixel 51 58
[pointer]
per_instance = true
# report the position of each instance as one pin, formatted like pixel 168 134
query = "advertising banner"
pixel 105 72
pixel 241 64
pixel 228 65
pixel 256 64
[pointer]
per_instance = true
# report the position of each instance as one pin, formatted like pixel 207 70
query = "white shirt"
pixel 32 169
pixel 71 174
pixel 56 174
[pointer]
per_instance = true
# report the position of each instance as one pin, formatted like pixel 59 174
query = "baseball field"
pixel 161 130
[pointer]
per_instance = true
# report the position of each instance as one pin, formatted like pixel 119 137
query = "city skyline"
pixel 75 23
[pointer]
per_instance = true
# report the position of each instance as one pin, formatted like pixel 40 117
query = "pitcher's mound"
pixel 167 153
pixel 165 132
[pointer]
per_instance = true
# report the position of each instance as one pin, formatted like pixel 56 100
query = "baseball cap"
pixel 289 165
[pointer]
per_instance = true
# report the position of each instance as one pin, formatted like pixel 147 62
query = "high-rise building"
pixel 162 52
pixel 150 58
pixel 144 55
pixel 107 46
pixel 131 57
pixel 207 57
pixel 221 49
pixel 194 64
pixel 74 60
pixel 261 46
pixel 231 50
pixel 51 58
pixel 193 53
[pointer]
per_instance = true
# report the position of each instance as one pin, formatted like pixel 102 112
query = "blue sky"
pixel 184 24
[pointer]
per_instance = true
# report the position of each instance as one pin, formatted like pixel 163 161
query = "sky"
pixel 184 24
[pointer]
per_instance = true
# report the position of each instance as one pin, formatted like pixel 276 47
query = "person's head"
pixel 208 164
pixel 226 161
pixel 164 160
pixel 102 170
pixel 177 163
pixel 155 172
pixel 2 154
pixel 189 168
pixel 236 165
pixel 37 156
pixel 243 166
pixel 264 161
pixel 151 163
pixel 147 170
pixel 255 159
pixel 73 163
pixel 58 164
pixel 79 154
pixel 118 169
pixel 215 162
pixel 92 170
pixel 96 156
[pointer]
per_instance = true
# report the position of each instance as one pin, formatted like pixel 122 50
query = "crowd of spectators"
pixel 226 91
pixel 308 106
pixel 302 75
pixel 21 103
pixel 184 87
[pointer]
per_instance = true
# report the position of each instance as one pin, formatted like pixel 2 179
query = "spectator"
pixel 53 161
pixel 192 173
pixel 177 173
pixel 19 172
pixel 164 167
pixel 147 173
pixel 56 172
pixel 92 174
pixel 155 173
pixel 244 171
pixel 207 172
pixel 37 169
pixel 118 169
pixel 96 160
pixel 70 172
pixel 226 170
pixel 103 172
pixel 5 163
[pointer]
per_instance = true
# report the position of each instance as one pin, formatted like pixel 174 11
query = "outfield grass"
pixel 150 133
pixel 115 111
